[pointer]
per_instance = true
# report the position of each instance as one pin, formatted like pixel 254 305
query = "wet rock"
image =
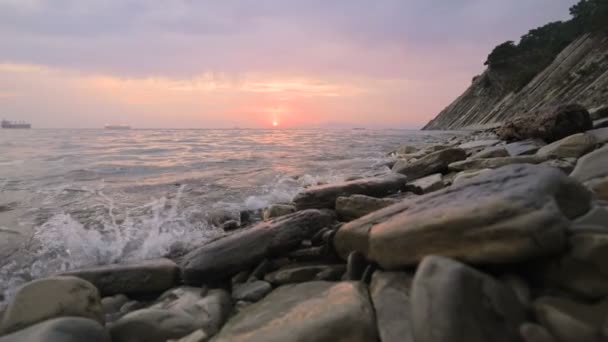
pixel 507 215
pixel 494 163
pixel 592 169
pixel 531 332
pixel 436 162
pixel 549 124
pixel 219 216
pixel 299 274
pixel 152 276
pixel 566 165
pixel 152 325
pixel 325 196
pixel 525 147
pixel 572 146
pixel 390 293
pixel 251 292
pixel 240 251
pixel 570 321
pixel 69 329
pixel 454 302
pixel 583 270
pixel 464 175
pixel 479 144
pixel 332 312
pixel 491 152
pixel 428 184
pixel 49 298
pixel 230 225
pixel 355 206
pixel 278 210
pixel 355 265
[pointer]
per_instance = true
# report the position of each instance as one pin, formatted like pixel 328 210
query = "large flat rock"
pixel 572 146
pixel 494 163
pixel 507 215
pixel 454 302
pixel 152 276
pixel 237 252
pixel 314 311
pixel 436 162
pixel 324 196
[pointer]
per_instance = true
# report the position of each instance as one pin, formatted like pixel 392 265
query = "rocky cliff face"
pixel 578 74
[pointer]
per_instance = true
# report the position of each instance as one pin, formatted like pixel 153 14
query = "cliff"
pixel 578 74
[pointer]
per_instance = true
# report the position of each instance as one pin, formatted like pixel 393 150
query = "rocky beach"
pixel 495 235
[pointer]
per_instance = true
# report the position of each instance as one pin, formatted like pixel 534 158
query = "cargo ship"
pixel 117 127
pixel 15 124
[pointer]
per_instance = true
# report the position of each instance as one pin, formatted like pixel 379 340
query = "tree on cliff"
pixel 591 15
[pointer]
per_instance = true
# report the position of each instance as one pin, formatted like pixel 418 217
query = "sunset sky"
pixel 248 63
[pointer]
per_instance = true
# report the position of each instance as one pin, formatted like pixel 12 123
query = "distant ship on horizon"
pixel 15 124
pixel 123 127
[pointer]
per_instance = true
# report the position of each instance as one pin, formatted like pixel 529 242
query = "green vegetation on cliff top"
pixel 517 64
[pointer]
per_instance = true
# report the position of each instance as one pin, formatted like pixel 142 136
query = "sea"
pixel 72 198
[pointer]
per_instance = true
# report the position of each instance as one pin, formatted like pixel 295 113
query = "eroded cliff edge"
pixel 578 74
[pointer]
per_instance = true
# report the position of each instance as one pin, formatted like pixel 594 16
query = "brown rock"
pixel 436 162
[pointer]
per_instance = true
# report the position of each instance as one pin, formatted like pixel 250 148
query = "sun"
pixel 275 123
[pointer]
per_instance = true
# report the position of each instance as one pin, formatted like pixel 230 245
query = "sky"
pixel 249 63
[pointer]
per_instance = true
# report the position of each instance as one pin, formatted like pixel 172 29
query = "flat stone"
pixel 251 292
pixel 152 325
pixel 314 311
pixel 298 274
pixel 583 270
pixel 390 292
pixel 429 183
pixel 243 250
pixel 151 276
pixel 468 174
pixel 278 210
pixel 570 321
pixel 454 302
pixel 48 298
pixel 531 332
pixel 592 169
pixel 525 147
pixel 355 206
pixel 494 163
pixel 507 215
pixel 572 146
pixel 68 329
pixel 491 152
pixel 479 144
pixel 324 196
pixel 436 162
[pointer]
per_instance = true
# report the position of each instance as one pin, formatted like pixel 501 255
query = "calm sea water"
pixel 73 198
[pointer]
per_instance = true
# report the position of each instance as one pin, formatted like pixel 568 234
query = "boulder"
pixel 491 152
pixel 592 169
pixel 251 292
pixel 583 269
pixel 390 292
pixel 147 277
pixel 278 210
pixel 524 148
pixel 152 325
pixel 570 321
pixel 531 332
pixel 315 311
pixel 494 163
pixel 428 184
pixel 49 298
pixel 355 206
pixel 436 162
pixel 548 124
pixel 324 196
pixel 68 329
pixel 507 215
pixel 572 146
pixel 451 301
pixel 302 273
pixel 243 250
